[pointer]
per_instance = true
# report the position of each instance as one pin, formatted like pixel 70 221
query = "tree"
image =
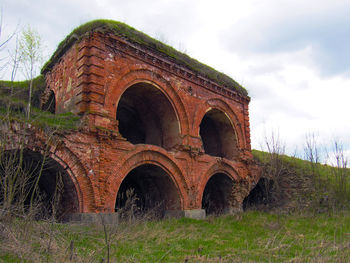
pixel 30 46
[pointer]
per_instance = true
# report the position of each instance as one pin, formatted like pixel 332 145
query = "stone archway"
pixel 40 181
pixel 218 135
pixel 146 116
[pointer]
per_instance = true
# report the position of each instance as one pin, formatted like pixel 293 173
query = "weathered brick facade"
pixel 164 130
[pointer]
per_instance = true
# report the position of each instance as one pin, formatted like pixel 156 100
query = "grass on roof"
pixel 136 37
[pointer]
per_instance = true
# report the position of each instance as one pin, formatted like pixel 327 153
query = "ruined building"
pixel 154 120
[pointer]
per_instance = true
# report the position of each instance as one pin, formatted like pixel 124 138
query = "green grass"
pixel 302 167
pixel 139 38
pixel 41 119
pixel 248 237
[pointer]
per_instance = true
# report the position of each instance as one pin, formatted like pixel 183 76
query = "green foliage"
pixel 139 38
pixel 30 48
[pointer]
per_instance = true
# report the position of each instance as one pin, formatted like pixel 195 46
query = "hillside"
pixel 17 92
pixel 13 104
pixel 293 184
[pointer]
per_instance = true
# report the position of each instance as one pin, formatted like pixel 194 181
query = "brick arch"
pixel 145 154
pixel 221 167
pixel 222 106
pixel 117 87
pixel 71 164
pixel 79 176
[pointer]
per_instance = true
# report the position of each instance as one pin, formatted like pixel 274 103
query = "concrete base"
pixel 195 213
pixel 174 214
pixel 96 218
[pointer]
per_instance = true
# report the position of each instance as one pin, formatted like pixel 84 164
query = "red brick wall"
pixel 92 76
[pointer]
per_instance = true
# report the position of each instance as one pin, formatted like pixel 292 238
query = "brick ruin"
pixel 149 123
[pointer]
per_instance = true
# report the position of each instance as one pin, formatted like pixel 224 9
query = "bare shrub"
pixel 340 177
pixel 320 192
pixel 284 183
pixel 331 183
pixel 274 170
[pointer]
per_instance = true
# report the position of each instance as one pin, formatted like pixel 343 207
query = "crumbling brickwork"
pixel 149 124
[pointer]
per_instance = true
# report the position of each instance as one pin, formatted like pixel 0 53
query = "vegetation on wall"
pixel 136 37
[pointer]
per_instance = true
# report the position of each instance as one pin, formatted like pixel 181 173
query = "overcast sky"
pixel 293 56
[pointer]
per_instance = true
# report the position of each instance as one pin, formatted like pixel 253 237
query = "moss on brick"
pixel 136 37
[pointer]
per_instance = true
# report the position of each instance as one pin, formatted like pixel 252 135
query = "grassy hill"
pixel 13 104
pixel 291 183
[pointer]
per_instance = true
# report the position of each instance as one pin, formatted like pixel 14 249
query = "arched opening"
pixel 148 187
pixel 50 104
pixel 146 116
pixel 30 180
pixel 217 194
pixel 260 195
pixel 218 135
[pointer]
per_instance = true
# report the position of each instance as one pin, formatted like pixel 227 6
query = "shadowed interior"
pixel 56 194
pixel 218 135
pixel 260 195
pixel 146 116
pixel 217 193
pixel 151 188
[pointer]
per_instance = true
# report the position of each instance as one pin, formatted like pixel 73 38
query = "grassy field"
pixel 248 237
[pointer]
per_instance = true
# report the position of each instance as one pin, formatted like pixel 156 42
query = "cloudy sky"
pixel 293 56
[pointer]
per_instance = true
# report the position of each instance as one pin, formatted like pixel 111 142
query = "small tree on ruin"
pixel 30 47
